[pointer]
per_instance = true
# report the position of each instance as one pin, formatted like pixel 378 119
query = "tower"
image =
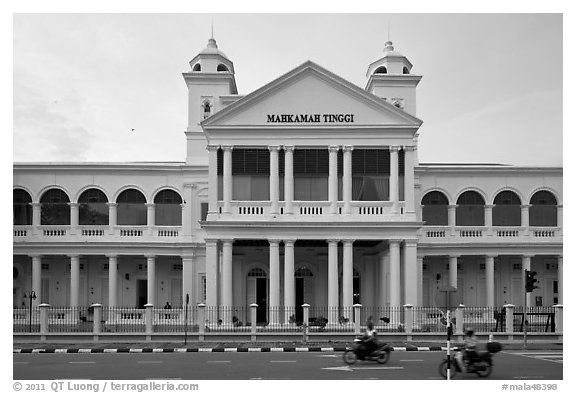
pixel 211 77
pixel 390 78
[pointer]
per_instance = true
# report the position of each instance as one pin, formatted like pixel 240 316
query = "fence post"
pixel 408 321
pixel 96 324
pixel 148 321
pixel 509 319
pixel 306 317
pixel 357 309
pixel 201 321
pixel 559 316
pixel 43 320
pixel 253 309
pixel 459 314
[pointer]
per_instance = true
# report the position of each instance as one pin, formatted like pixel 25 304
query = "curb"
pixel 216 349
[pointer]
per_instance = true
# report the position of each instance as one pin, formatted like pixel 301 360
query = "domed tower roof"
pixel 393 62
pixel 212 49
pixel 212 60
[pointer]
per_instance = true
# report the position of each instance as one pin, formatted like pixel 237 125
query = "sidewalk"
pixel 165 347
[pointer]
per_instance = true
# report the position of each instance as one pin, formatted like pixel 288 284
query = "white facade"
pixel 307 190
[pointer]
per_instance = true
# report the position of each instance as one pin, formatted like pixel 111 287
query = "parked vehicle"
pixel 358 351
pixel 481 364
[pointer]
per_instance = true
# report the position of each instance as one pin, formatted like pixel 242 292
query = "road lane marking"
pixel 282 361
pixel 411 360
pixel 81 362
pixel 21 362
pixel 348 368
pixel 149 361
pixel 218 361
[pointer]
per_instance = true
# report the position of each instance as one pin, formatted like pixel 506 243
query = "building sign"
pixel 311 118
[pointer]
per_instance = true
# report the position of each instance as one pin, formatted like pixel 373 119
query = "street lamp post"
pixel 31 296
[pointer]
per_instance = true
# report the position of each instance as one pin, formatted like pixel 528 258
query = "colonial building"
pixel 307 190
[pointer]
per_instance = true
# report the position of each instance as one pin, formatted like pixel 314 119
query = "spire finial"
pixel 212 35
pixel 388 31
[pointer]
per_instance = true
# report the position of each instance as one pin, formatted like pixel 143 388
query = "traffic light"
pixel 530 280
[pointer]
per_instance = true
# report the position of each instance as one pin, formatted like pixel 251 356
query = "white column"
pixel 559 216
pixel 453 271
pixel 347 178
pixel 227 290
pixel 274 305
pixel 420 267
pixel 332 281
pixel 488 216
pixel 289 284
pixel 74 280
pixel 151 266
pixel 36 213
pixel 227 273
pixel 288 179
pixel 227 178
pixel 74 214
pixel 112 280
pixel 212 179
pixel 112 214
pixel 411 283
pixel 37 278
pixel 347 278
pixel 409 155
pixel 274 179
pixel 211 273
pixel 526 263
pixel 187 278
pixel 333 178
pixel 150 215
pixel 560 279
pixel 490 280
pixel 394 178
pixel 395 294
pixel 384 260
pixel 452 216
pixel 525 218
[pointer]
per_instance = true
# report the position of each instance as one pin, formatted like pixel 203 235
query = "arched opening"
pixel 222 68
pixel 470 209
pixel 506 210
pixel 168 208
pixel 381 70
pixel 93 208
pixel 207 109
pixel 22 208
pixel 405 70
pixel 197 67
pixel 55 209
pixel 543 210
pixel 256 292
pixel 131 208
pixel 435 208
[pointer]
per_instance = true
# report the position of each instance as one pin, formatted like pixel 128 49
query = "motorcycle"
pixel 481 365
pixel 357 351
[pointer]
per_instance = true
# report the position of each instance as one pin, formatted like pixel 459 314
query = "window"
pixel 250 174
pixel 371 174
pixel 203 211
pixel 506 210
pixel 207 109
pixel 435 208
pixel 21 207
pixel 54 208
pixel 311 174
pixel 93 208
pixel 197 67
pixel 543 210
pixel 405 70
pixel 222 68
pixel 470 209
pixel 381 70
pixel 168 208
pixel 131 208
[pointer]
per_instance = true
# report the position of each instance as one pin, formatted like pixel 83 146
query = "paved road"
pixel 509 365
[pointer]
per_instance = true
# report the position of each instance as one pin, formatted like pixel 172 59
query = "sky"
pixel 491 89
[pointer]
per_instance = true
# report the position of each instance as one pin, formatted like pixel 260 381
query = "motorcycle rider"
pixel 369 341
pixel 470 347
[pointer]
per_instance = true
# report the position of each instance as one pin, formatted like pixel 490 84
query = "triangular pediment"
pixel 311 96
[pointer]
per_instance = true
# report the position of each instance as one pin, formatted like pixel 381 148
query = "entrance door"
pixel 299 287
pixel 261 300
pixel 141 293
